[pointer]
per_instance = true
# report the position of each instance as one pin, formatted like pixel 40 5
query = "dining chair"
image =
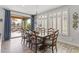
pixel 49 31
pixel 23 36
pixel 35 41
pixel 42 31
pixel 52 41
pixel 37 29
pixel 28 41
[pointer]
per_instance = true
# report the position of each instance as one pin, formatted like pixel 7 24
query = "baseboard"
pixel 15 37
pixel 70 43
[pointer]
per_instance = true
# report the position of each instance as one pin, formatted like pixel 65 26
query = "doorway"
pixel 27 24
pixel 17 24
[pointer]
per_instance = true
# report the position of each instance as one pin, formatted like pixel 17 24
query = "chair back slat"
pixel 55 36
pixel 42 31
pixel 50 31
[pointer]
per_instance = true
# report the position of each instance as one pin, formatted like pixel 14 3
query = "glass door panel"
pixel 65 23
pixel 54 20
pixel 59 21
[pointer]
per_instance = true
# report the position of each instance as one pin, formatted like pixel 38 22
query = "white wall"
pixel 1 25
pixel 2 14
pixel 74 33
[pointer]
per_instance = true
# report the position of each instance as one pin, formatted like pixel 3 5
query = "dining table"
pixel 43 40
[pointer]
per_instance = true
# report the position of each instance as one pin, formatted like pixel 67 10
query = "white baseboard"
pixel 70 43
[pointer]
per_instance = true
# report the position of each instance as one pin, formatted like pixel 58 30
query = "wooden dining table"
pixel 43 38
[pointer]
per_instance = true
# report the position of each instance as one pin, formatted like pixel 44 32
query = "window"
pixel 54 20
pixel 39 18
pixel 65 22
pixel 45 22
pixel 42 21
pixel 59 21
pixel 50 21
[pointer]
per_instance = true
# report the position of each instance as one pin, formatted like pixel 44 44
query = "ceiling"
pixel 30 9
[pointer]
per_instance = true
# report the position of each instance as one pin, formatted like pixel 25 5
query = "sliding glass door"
pixel 16 25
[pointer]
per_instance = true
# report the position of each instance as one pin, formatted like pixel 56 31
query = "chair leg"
pixel 56 48
pixel 21 41
pixel 29 44
pixel 26 44
pixel 36 49
pixel 52 50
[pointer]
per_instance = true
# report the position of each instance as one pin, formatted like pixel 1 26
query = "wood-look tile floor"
pixel 15 46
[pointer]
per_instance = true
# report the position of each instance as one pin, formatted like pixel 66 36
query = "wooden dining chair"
pixel 35 41
pixel 52 41
pixel 42 31
pixel 49 31
pixel 28 41
pixel 37 29
pixel 23 36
